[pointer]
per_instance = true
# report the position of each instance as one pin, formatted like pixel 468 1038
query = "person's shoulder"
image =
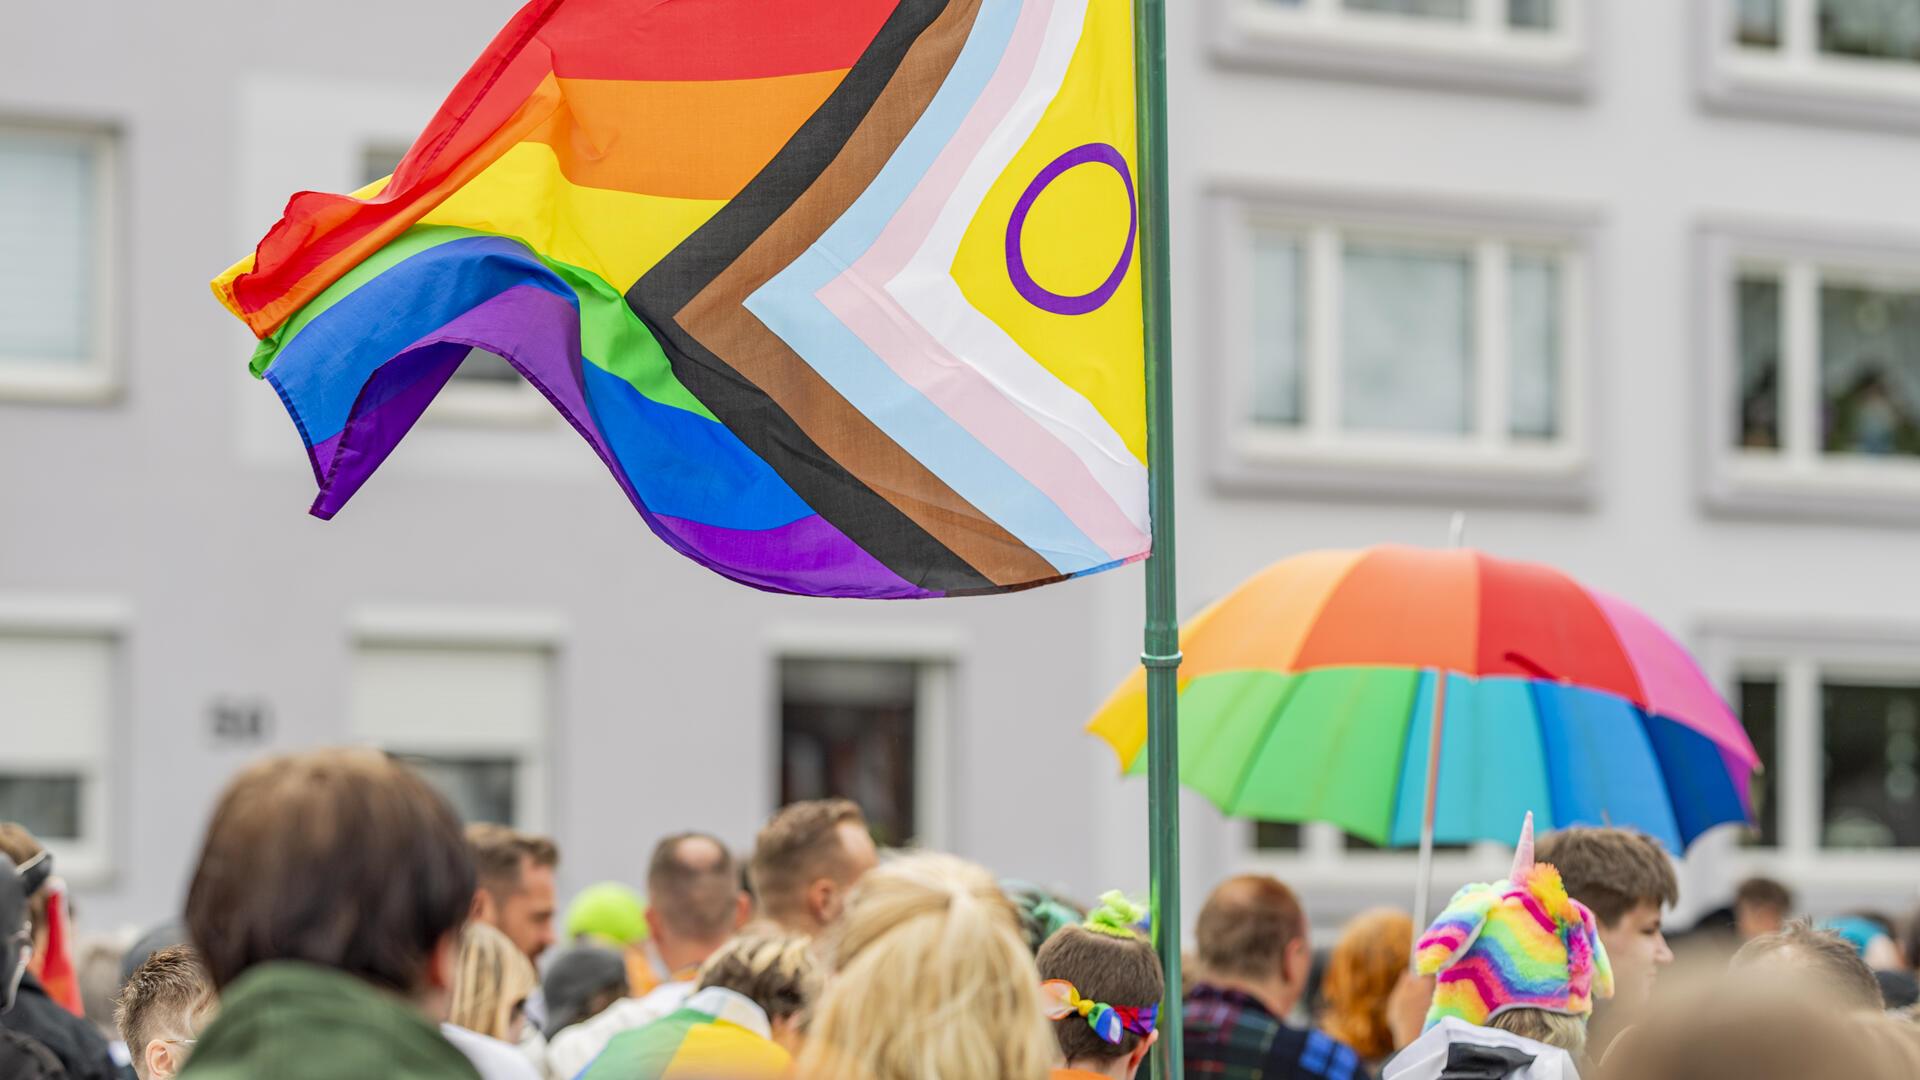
pixel 492 1058
pixel 23 1057
pixel 1312 1054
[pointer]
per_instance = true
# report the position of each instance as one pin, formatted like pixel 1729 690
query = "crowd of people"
pixel 341 923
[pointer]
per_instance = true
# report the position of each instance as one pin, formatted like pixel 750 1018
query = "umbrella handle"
pixel 1423 884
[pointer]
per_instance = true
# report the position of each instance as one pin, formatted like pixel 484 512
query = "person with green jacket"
pixel 328 902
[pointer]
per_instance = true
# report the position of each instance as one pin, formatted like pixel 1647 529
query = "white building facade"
pixel 1636 283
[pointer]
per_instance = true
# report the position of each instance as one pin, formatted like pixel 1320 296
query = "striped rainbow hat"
pixel 1522 943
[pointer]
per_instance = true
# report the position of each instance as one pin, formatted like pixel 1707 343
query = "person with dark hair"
pixel 1102 985
pixel 162 1008
pixel 516 893
pixel 579 984
pixel 327 906
pixel 694 906
pixel 1627 881
pixel 807 859
pixel 1761 905
pixel 81 1050
pixel 1253 949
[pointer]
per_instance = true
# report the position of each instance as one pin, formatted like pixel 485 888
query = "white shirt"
pixel 492 1059
pixel 575 1047
pixel 1426 1057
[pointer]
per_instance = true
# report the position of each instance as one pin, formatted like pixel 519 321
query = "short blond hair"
pixel 800 844
pixel 932 980
pixel 1569 1033
pixel 493 977
pixel 780 972
pixel 164 995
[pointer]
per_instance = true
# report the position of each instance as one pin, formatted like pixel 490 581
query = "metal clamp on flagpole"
pixel 1152 661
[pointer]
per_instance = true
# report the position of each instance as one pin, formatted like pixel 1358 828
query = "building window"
pixel 1525 46
pixel 1758 700
pixel 1850 60
pixel 472 716
pixel 1815 350
pixel 58 282
pixel 57 693
pixel 865 729
pixel 1403 348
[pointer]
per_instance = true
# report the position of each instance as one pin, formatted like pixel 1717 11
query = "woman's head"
pixel 777 972
pixel 1372 954
pixel 491 984
pixel 932 982
pixel 1103 986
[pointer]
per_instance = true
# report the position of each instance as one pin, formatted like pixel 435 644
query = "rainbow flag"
pixel 717 1035
pixel 844 294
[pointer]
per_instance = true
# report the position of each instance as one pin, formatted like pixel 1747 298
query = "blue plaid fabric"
pixel 1231 1036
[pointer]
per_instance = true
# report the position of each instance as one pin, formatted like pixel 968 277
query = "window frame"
pixel 1797 652
pixel 1482 54
pixel 479 631
pixel 100 380
pixel 1799 481
pixel 1488 467
pixel 937 657
pixel 91 863
pixel 1797 82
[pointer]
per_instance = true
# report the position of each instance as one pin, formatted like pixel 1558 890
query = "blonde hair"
pixel 1366 964
pixel 933 982
pixel 778 972
pixel 493 978
pixel 1569 1033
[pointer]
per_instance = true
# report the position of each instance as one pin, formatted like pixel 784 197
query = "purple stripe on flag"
pixel 808 556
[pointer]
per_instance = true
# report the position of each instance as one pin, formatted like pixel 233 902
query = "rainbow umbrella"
pixel 1309 694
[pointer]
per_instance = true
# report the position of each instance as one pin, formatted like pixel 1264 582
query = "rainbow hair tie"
pixel 1110 1022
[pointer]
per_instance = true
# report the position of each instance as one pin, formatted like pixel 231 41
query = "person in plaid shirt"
pixel 1254 958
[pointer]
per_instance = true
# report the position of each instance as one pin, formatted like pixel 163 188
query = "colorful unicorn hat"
pixel 1522 943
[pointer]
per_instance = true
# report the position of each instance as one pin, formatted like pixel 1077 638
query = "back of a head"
pixel 1743 1032
pixel 693 885
pixel 780 973
pixel 492 979
pixel 1611 871
pixel 1109 963
pixel 1819 964
pixel 1764 892
pixel 800 844
pixel 933 982
pixel 162 1000
pixel 342 858
pixel 20 846
pixel 501 855
pixel 580 980
pixel 1246 926
pixel 1367 962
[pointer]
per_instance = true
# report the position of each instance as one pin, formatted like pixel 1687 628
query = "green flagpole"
pixel 1161 654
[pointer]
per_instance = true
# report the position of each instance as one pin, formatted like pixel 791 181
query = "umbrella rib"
pixel 1295 678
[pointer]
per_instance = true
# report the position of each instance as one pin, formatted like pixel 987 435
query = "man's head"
pixel 517 893
pixel 345 859
pixel 1252 935
pixel 1814 965
pixel 1103 962
pixel 18 884
pixel 19 845
pixel 779 973
pixel 1760 906
pixel 1626 880
pixel 162 1009
pixel 694 899
pixel 807 859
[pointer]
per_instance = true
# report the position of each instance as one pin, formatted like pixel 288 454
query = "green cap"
pixel 609 911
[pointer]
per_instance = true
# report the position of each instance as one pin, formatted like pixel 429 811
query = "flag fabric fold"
pixel 848 305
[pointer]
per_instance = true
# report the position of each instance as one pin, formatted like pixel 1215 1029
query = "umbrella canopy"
pixel 1307 695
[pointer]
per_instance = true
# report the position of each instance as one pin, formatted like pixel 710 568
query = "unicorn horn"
pixel 1523 853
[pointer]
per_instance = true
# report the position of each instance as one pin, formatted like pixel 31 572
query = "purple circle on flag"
pixel 1031 290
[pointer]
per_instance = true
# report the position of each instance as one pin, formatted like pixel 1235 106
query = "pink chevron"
pixel 959 389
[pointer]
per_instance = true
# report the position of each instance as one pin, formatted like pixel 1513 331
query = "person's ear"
pixel 823 900
pixel 1140 1052
pixel 443 962
pixel 653 924
pixel 1297 962
pixel 743 914
pixel 159 1061
pixel 483 909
